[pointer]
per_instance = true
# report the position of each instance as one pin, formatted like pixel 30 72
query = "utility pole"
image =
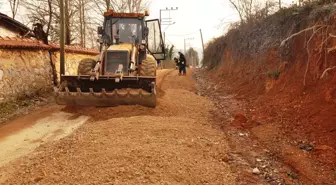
pixel 62 68
pixel 164 36
pixel 191 58
pixel 189 53
pixel 169 22
pixel 169 19
pixel 202 40
pixel 185 43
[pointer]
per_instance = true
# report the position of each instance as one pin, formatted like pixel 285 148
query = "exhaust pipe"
pixel 133 58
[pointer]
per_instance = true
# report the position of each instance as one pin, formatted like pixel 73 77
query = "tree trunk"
pixel 108 4
pixel 14 5
pixel 80 3
pixel 50 12
pixel 239 12
pixel 84 24
pixel 67 23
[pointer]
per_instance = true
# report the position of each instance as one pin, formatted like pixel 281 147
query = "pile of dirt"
pixel 172 144
pixel 136 150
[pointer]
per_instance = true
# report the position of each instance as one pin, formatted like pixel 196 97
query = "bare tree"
pixel 81 17
pixel 134 5
pixel 82 4
pixel 67 23
pixel 42 12
pixel 37 14
pixel 50 11
pixel 241 7
pixel 121 5
pixel 108 4
pixel 82 21
pixel 248 10
pixel 192 57
pixel 14 5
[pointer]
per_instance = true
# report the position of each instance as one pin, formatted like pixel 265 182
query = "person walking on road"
pixel 182 64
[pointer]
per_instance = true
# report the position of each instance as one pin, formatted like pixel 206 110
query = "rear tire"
pixel 85 66
pixel 148 68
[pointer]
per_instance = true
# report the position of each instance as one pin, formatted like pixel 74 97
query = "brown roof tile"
pixel 75 49
pixel 19 43
pixel 24 43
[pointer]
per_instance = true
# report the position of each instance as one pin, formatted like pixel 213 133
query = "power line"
pixel 167 28
pixel 167 21
pixel 170 41
pixel 173 35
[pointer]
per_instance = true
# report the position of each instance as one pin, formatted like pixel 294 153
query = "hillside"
pixel 283 68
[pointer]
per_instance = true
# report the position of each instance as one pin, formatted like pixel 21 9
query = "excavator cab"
pixel 124 73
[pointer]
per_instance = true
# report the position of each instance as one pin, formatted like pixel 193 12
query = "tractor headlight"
pixel 143 42
pixel 142 47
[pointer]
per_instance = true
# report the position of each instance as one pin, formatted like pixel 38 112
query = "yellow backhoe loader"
pixel 124 73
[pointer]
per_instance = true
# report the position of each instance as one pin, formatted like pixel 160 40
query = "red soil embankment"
pixel 291 100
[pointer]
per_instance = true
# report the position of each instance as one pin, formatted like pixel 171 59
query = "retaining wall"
pixel 24 73
pixel 27 66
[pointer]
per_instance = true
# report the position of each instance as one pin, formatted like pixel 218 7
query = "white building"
pixel 11 28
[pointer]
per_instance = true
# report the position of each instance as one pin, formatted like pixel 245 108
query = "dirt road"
pixel 174 143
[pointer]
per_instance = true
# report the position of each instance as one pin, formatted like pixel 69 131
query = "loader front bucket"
pixel 106 92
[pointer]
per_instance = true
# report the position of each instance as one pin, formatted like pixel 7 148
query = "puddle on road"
pixel 51 128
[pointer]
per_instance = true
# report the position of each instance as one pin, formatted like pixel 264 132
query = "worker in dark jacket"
pixel 176 63
pixel 182 64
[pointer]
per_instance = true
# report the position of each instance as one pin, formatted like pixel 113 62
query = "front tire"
pixel 148 68
pixel 85 66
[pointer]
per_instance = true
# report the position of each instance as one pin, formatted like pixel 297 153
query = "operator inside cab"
pixel 129 30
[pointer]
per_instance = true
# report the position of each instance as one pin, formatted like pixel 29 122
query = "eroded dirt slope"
pixel 298 135
pixel 172 144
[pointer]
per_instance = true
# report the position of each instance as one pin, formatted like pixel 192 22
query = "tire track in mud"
pixel 50 128
pixel 160 91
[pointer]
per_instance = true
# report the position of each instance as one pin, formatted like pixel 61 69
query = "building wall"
pixel 27 66
pixel 71 62
pixel 24 73
pixel 4 32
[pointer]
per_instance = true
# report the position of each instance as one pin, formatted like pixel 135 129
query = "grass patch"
pixel 292 175
pixel 12 107
pixel 274 74
pixel 8 108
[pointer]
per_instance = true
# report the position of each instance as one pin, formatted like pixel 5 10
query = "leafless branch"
pixel 14 5
pixel 326 71
pixel 308 52
pixel 300 32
